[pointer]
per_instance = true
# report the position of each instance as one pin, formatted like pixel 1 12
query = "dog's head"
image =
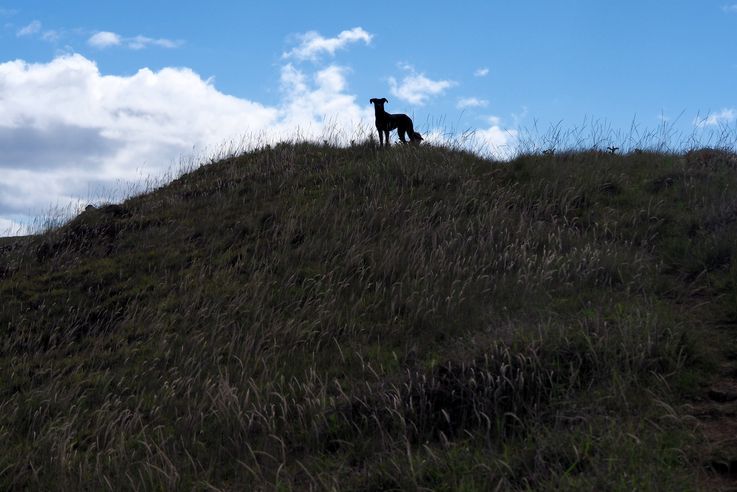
pixel 379 103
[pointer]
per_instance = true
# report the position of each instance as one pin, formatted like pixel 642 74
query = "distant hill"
pixel 312 318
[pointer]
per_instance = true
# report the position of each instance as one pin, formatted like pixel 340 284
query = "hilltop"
pixel 310 317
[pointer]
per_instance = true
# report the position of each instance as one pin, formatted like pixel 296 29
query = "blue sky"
pixel 93 95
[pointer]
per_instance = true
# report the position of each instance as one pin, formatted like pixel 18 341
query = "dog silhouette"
pixel 386 122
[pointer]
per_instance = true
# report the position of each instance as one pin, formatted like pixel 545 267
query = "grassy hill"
pixel 309 317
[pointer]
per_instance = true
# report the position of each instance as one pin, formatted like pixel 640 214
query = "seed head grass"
pixel 302 316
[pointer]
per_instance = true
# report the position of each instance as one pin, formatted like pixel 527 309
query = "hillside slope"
pixel 369 319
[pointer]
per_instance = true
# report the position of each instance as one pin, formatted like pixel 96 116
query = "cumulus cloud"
pixel 106 39
pixel 65 127
pixel 481 72
pixel 416 88
pixel 32 28
pixel 312 44
pixel 724 116
pixel 52 145
pixel 495 140
pixel 471 102
pixel 313 104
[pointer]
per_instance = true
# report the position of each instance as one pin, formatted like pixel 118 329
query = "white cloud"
pixel 11 228
pixel 730 8
pixel 310 107
pixel 725 116
pixel 495 140
pixel 312 44
pixel 519 117
pixel 471 102
pixel 67 130
pixel 140 42
pixel 481 72
pixel 35 29
pixel 105 39
pixel 32 28
pixel 51 36
pixel 416 88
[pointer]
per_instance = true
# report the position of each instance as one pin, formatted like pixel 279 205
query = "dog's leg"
pixel 401 132
pixel 413 135
pixel 386 137
pixel 410 130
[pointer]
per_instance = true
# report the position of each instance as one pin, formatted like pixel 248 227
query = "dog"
pixel 386 122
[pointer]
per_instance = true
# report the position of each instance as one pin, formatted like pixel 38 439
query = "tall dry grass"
pixel 303 316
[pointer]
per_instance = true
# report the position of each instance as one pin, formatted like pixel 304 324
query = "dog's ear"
pixel 371 101
pixel 385 99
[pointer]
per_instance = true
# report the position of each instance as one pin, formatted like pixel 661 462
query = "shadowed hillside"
pixel 307 317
